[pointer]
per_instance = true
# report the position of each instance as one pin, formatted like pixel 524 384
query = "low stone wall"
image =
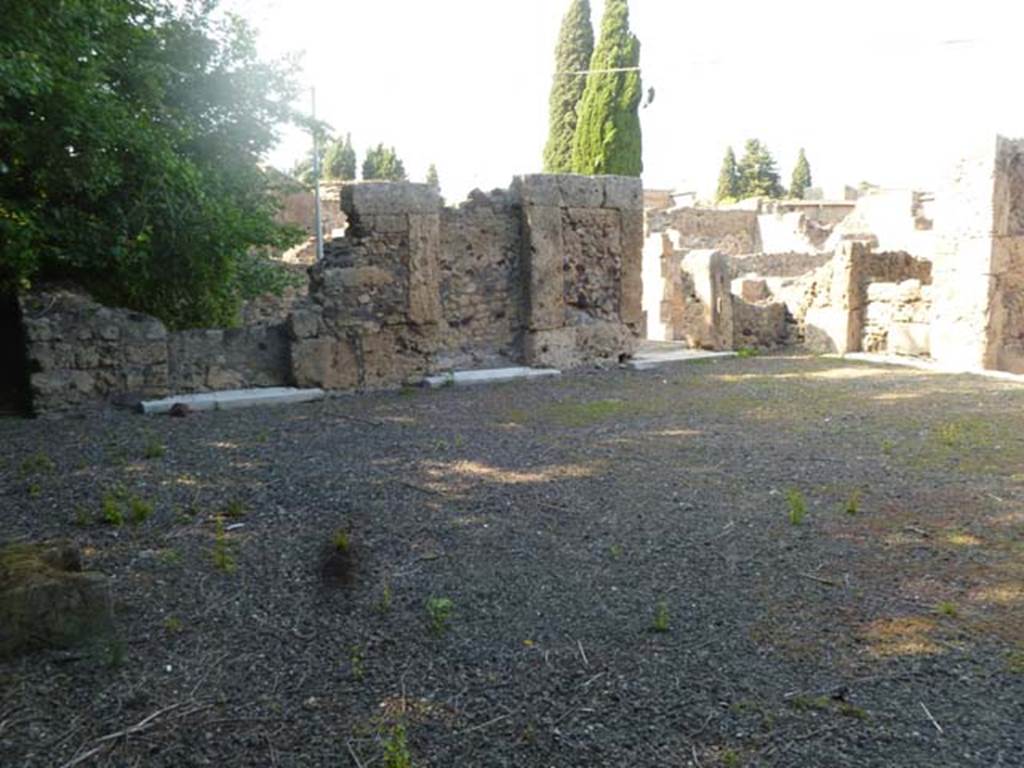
pixel 80 352
pixel 729 232
pixel 545 273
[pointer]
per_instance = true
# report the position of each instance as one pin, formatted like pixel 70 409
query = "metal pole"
pixel 316 182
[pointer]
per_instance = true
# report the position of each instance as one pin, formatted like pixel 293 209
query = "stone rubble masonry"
pixel 80 352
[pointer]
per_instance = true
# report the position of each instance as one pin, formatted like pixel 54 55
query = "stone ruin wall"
pixel 904 273
pixel 545 273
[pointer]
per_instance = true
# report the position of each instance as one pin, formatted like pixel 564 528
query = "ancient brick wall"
pixel 728 232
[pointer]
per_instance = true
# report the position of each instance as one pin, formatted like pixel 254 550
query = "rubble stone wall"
pixel 81 352
pixel 729 232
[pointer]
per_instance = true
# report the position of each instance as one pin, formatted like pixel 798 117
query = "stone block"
pixel 623 192
pixel 388 198
pixel 424 271
pixel 604 342
pixel 327 363
pixel 827 330
pixel 543 260
pixel 580 191
pixel 304 323
pixel 631 289
pixel 146 353
pixel 538 189
pixel 909 339
pixel 46 601
pixel 554 348
pixel 754 291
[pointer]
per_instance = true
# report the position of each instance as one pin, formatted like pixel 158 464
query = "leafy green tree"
pixel 382 163
pixel 432 178
pixel 572 56
pixel 757 172
pixel 801 176
pixel 131 134
pixel 340 160
pixel 608 136
pixel 728 179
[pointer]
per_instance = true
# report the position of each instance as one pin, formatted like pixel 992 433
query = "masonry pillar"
pixel 978 271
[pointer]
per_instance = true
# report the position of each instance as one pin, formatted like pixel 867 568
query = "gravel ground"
pixel 776 561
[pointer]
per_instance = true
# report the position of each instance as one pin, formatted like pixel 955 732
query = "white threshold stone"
pixel 928 364
pixel 645 360
pixel 488 376
pixel 230 399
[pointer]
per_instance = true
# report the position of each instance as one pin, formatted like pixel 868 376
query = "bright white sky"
pixel 877 90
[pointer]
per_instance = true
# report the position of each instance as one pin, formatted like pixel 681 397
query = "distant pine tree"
pixel 608 138
pixel 728 179
pixel 383 164
pixel 575 47
pixel 432 178
pixel 758 176
pixel 801 177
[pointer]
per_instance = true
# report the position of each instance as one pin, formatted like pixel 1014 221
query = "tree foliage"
pixel 432 178
pixel 340 160
pixel 572 56
pixel 801 179
pixel 728 179
pixel 758 176
pixel 608 138
pixel 382 163
pixel 131 133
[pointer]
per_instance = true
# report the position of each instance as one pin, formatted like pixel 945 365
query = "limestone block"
pixel 110 332
pixel 327 363
pixel 87 357
pixel 754 291
pixel 388 223
pixel 424 272
pixel 758 325
pixel 46 600
pixel 355 279
pixel 604 342
pixel 1008 196
pixel 543 261
pixel 909 339
pixel 82 381
pixel 304 322
pixel 388 198
pixel 553 348
pixel 623 192
pixel 38 329
pixel 1007 255
pixel 538 189
pixel 631 287
pixel 580 191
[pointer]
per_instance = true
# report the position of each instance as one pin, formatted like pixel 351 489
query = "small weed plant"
pixel 153 449
pixel 341 541
pixel 223 559
pixel 37 464
pixel 396 749
pixel 439 610
pixel 235 509
pixel 356 656
pixel 853 503
pixel 139 510
pixel 797 506
pixel 110 509
pixel 947 608
pixel 384 604
pixel 661 619
pixel 744 352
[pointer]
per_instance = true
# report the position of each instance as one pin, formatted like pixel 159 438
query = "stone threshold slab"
pixel 927 364
pixel 488 376
pixel 646 360
pixel 231 399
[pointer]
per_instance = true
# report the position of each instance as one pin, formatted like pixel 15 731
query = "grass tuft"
pixel 797 506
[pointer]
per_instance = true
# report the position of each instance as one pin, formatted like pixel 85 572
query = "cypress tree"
pixel 432 177
pixel 728 179
pixel 575 47
pixel 607 139
pixel 340 159
pixel 801 176
pixel 758 176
